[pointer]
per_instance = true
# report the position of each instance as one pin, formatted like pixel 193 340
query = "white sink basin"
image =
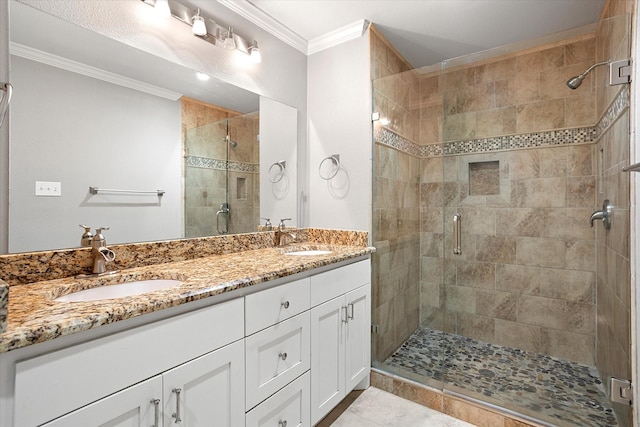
pixel 119 290
pixel 309 252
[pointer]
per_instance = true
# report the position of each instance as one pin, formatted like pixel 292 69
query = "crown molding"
pixel 250 12
pixel 338 36
pixel 89 71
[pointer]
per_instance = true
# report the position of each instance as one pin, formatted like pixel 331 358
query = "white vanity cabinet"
pixel 207 388
pixel 282 354
pixel 136 406
pixel 340 335
pixel 188 351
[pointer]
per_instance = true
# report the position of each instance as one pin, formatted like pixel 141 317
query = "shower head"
pixel 575 82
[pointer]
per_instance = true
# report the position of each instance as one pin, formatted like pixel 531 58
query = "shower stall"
pixel 221 170
pixel 489 283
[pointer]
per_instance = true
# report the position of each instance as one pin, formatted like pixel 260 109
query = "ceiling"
pixel 427 32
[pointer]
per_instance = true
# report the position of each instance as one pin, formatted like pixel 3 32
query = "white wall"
pixel 278 200
pixel 339 115
pixel 120 139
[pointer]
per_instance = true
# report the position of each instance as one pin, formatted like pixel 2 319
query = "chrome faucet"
pixel 604 215
pixel 100 254
pixel 282 234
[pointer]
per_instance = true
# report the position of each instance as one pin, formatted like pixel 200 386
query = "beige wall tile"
pixel 542 193
pixel 476 327
pixel 496 122
pixel 539 116
pixel 557 314
pixel 581 192
pixel 568 285
pixel 540 252
pixel 494 304
pixel 476 274
pixel 518 279
pixel 541 60
pixel 498 249
pixel 527 222
pixel 580 111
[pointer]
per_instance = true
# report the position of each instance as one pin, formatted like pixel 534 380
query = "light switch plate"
pixel 47 188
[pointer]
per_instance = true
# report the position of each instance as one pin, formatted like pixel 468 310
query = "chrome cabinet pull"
pixel 282 423
pixel 156 412
pixel 351 310
pixel 457 235
pixel 345 316
pixel 285 304
pixel 283 355
pixel 176 414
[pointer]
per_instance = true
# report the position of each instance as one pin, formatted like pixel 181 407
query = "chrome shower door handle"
pixel 224 210
pixel 457 234
pixel 6 99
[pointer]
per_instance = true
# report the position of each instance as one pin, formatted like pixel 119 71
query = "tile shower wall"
pixel 396 263
pixel 526 277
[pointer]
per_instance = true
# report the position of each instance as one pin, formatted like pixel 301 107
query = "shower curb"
pixel 453 404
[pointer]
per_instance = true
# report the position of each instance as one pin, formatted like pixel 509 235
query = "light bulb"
pixel 229 42
pixel 162 8
pixel 255 53
pixel 199 28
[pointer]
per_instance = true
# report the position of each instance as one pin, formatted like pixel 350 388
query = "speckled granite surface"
pixel 208 267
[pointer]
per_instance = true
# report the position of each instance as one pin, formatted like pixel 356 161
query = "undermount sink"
pixel 308 252
pixel 119 290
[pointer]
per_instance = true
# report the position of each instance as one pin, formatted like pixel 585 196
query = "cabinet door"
pixel 135 406
pixel 327 357
pixel 207 391
pixel 358 336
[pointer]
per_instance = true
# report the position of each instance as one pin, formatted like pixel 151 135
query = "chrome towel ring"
pixel 276 171
pixel 334 167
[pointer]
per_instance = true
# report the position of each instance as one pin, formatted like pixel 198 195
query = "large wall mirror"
pixel 89 111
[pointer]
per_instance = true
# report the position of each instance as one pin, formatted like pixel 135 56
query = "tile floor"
pixel 374 407
pixel 542 387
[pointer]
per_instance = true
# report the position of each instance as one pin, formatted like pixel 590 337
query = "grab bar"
pixel 6 99
pixel 457 235
pixel 224 209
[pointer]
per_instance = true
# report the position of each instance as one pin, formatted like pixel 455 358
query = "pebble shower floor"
pixel 545 388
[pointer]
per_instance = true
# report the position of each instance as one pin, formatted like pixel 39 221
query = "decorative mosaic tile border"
pixel 615 110
pixel 582 135
pixel 217 164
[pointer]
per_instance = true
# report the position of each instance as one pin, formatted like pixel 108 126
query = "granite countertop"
pixel 34 316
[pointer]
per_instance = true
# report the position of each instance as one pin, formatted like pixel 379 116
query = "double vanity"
pixel 248 334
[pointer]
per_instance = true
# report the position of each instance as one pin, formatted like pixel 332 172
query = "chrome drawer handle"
pixel 156 412
pixel 283 356
pixel 176 414
pixel 282 423
pixel 350 309
pixel 285 304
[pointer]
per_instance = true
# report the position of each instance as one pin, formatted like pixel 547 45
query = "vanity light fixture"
pixel 254 53
pixel 229 42
pixel 206 28
pixel 162 8
pixel 199 28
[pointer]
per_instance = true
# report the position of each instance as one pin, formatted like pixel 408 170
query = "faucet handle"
pixel 282 226
pixel 267 222
pixel 99 230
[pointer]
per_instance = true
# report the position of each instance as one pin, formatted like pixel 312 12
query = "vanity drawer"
pixel 275 357
pixel 289 406
pixel 333 283
pixel 274 305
